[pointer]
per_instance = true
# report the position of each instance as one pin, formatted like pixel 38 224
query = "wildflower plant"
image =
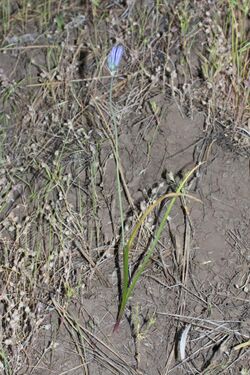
pixel 113 62
pixel 115 57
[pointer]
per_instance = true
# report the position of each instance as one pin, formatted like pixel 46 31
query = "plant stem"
pixel 117 159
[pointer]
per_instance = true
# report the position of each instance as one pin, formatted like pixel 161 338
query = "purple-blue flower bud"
pixel 114 57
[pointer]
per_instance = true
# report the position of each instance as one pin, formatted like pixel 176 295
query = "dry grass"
pixel 56 143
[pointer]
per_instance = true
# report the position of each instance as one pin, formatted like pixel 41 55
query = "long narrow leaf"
pixel 128 289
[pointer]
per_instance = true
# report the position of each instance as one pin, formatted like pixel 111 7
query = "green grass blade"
pixel 127 290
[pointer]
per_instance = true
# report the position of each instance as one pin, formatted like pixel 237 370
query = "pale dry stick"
pixel 215 359
pixel 242 345
pixel 79 349
pixel 188 230
pixel 178 285
pixel 192 318
pixel 44 352
pixel 240 242
pixel 186 255
pixel 205 347
pixel 225 330
pixel 185 268
pixel 183 343
pixel 187 243
pixel 164 267
pixel 94 266
pixel 84 364
pixel 170 360
pixel 221 329
pixel 233 297
pixel 136 96
pixel 72 369
pixel 80 80
pixel 103 359
pixel 38 46
pixel 175 239
pixel 175 90
pixel 79 247
pixel 60 83
pixel 75 325
pixel 247 353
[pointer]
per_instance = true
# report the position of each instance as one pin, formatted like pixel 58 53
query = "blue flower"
pixel 114 57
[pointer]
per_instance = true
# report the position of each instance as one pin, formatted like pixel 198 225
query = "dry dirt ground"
pixel 216 294
pixel 59 233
